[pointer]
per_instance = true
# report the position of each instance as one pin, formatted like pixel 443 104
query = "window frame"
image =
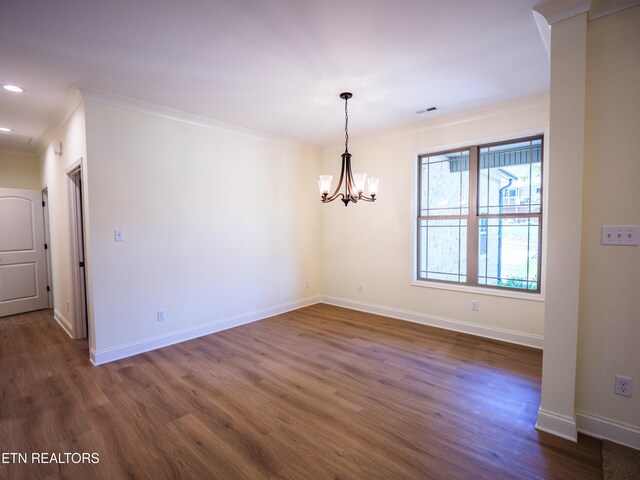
pixel 473 219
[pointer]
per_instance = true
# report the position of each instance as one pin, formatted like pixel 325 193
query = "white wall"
pixel 54 177
pixel 609 334
pixel 219 228
pixel 19 171
pixel 373 243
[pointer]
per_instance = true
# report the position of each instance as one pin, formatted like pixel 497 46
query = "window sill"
pixel 534 297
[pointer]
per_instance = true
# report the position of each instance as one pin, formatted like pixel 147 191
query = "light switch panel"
pixel 118 235
pixel 619 235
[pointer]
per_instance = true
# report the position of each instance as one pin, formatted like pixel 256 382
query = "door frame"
pixel 47 242
pixel 75 180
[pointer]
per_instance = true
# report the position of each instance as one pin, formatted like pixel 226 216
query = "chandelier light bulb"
pixel 372 183
pixel 359 179
pixel 325 184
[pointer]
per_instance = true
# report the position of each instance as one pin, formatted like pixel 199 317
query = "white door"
pixel 23 274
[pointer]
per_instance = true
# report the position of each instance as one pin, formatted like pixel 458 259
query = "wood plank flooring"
pixel 318 393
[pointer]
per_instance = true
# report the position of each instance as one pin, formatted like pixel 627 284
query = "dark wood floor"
pixel 319 393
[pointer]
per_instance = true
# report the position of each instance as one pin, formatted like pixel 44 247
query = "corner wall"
pixel 372 244
pixel 53 174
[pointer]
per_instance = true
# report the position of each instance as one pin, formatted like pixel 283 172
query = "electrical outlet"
pixel 160 315
pixel 306 285
pixel 475 305
pixel 68 305
pixel 624 386
pixel 360 288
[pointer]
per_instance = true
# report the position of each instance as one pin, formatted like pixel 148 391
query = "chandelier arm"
pixel 350 186
pixel 349 183
pixel 335 193
pixel 332 197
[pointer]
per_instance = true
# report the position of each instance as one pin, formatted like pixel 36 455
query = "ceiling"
pixel 272 65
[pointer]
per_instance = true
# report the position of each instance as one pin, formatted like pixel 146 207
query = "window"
pixel 480 214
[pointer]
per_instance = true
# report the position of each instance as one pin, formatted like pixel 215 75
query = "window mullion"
pixel 419 213
pixel 472 219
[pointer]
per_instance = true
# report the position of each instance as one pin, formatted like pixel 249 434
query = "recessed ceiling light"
pixel 13 88
pixel 5 129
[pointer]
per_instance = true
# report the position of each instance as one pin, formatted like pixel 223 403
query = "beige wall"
pixel 216 226
pixel 609 332
pixel 373 243
pixel 54 177
pixel 19 171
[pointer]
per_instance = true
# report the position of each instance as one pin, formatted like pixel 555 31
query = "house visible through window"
pixel 480 214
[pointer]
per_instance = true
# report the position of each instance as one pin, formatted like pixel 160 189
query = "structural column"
pixel 563 223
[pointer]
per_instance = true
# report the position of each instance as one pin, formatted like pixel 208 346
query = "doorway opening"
pixel 76 216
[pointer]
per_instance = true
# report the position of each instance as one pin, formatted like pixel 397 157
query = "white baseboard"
pixel 495 333
pixel 63 322
pixel 106 355
pixel 558 425
pixel 608 429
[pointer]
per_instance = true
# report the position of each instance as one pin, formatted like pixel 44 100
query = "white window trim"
pixel 495 292
pixel 492 292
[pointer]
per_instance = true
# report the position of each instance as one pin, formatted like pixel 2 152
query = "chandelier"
pixel 353 182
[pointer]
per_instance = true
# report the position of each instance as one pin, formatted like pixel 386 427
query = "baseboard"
pixel 558 425
pixel 607 429
pixel 63 322
pixel 495 333
pixel 101 356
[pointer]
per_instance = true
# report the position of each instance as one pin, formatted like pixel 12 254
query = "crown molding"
pixel 555 11
pixel 59 118
pixel 545 31
pixel 602 8
pixel 519 105
pixel 140 106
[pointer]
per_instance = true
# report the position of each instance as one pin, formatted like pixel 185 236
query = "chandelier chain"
pixel 346 124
